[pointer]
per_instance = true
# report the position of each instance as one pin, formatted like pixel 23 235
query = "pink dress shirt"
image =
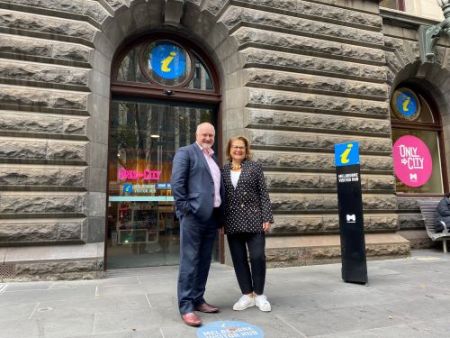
pixel 215 173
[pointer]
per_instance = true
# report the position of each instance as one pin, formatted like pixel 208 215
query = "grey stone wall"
pixel 313 75
pixel 47 201
pixel 297 76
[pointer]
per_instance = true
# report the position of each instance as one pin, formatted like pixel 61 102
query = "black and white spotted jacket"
pixel 248 206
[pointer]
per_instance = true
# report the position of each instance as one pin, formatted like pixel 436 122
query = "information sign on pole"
pixel 351 222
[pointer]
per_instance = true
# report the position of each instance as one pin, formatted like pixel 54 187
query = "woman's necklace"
pixel 235 166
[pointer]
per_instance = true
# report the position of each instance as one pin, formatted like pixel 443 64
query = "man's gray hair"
pixel 204 124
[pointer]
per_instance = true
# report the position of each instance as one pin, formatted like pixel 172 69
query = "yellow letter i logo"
pixel 344 155
pixel 166 62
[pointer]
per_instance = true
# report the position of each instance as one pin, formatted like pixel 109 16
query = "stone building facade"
pixel 296 77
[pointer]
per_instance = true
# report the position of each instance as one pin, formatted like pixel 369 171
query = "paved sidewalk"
pixel 404 298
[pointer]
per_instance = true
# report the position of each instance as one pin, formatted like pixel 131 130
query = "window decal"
pixel 406 104
pixel 412 161
pixel 166 63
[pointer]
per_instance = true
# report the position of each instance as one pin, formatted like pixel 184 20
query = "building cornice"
pixel 402 19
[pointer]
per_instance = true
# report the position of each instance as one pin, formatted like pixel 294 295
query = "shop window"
pixel 162 88
pixel 394 4
pixel 417 142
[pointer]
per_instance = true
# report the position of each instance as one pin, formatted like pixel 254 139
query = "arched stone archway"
pixel 405 66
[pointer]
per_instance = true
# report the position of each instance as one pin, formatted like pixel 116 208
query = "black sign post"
pixel 351 222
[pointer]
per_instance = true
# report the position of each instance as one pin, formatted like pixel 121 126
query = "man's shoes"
pixel 191 319
pixel 207 308
pixel 243 303
pixel 262 303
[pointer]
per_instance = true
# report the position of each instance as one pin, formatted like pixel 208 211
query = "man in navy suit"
pixel 196 186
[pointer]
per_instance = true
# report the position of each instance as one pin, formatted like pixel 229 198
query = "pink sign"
pixel 412 161
pixel 146 175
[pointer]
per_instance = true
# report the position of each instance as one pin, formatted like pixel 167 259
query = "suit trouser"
pixel 249 280
pixel 196 243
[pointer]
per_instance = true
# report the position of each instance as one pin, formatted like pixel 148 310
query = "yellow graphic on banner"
pixel 345 153
pixel 166 62
pixel 406 104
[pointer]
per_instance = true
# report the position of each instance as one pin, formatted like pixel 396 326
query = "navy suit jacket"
pixel 192 183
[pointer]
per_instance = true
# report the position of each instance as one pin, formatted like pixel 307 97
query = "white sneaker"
pixel 262 303
pixel 243 303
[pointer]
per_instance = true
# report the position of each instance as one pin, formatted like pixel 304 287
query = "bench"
pixel 430 217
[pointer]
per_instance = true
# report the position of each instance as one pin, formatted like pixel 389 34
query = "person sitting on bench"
pixel 443 209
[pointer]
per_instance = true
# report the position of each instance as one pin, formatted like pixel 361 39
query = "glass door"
pixel 142 229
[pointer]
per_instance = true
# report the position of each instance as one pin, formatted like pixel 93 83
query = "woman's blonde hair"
pixel 248 153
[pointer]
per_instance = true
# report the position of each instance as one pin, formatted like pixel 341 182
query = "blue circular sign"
pixel 229 329
pixel 168 61
pixel 406 104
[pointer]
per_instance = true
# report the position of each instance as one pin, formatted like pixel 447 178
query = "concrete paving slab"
pixel 404 298
pixel 55 325
pixel 99 304
pixel 126 321
pixel 20 311
pixel 28 286
pixel 76 292
pixel 20 329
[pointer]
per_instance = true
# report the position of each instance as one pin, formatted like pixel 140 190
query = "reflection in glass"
pixel 142 227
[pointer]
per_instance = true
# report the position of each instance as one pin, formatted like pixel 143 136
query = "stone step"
pixel 114 5
pixel 41 231
pixel 300 121
pixel 43 125
pixel 341 15
pixel 320 12
pixel 369 7
pixel 315 224
pixel 306 102
pixel 30 24
pixel 306 250
pixel 318 162
pixel 15 205
pixel 40 99
pixel 237 16
pixel 327 203
pixel 255 57
pixel 411 204
pixel 43 150
pixel 92 10
pixel 419 239
pixel 323 182
pixel 43 50
pixel 43 75
pixel 305 45
pixel 53 262
pixel 411 221
pixel 317 142
pixel 43 177
pixel 293 82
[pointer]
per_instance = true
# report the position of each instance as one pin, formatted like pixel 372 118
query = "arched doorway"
pixel 162 87
pixel 416 123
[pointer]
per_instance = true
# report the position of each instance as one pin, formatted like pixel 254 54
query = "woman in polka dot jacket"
pixel 248 215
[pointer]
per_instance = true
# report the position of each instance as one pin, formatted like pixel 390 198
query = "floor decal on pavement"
pixel 229 329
